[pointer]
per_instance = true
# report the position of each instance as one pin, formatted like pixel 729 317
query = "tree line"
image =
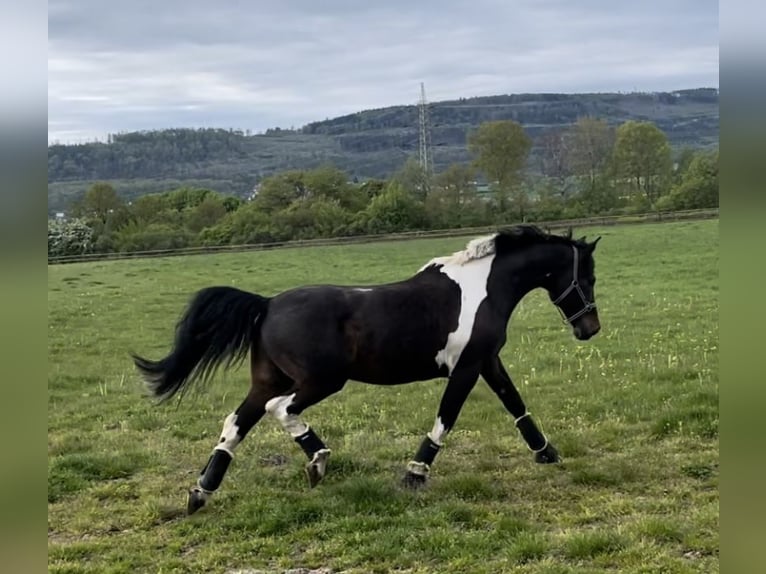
pixel 587 169
pixel 143 154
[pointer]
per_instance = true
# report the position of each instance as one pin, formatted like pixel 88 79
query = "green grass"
pixel 633 412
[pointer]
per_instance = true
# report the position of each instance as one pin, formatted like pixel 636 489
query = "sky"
pixel 253 65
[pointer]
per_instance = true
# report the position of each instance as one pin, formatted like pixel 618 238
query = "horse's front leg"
pixel 461 381
pixel 500 382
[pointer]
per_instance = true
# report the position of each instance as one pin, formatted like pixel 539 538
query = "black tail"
pixel 218 327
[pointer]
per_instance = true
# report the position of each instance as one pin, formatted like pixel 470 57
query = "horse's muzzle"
pixel 586 328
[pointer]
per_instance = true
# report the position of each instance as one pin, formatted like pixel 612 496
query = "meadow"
pixel 633 412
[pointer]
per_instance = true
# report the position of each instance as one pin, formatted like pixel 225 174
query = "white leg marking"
pixel 439 431
pixel 229 437
pixel 320 460
pixel 471 277
pixel 419 468
pixel 201 492
pixel 277 407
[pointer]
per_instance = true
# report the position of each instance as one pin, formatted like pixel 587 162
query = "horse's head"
pixel 571 288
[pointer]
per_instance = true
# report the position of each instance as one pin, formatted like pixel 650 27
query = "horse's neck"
pixel 526 272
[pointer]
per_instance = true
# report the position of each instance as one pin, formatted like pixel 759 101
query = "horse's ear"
pixel 569 233
pixel 592 245
pixel 582 239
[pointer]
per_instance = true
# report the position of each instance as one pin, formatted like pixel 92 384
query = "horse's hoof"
pixel 414 481
pixel 548 455
pixel 316 469
pixel 195 500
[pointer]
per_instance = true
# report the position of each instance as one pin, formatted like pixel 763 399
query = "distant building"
pixel 483 190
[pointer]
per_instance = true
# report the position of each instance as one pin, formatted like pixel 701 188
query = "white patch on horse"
pixel 471 276
pixel 362 289
pixel 277 407
pixel 229 437
pixel 439 431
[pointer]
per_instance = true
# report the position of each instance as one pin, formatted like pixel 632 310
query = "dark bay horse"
pixel 447 320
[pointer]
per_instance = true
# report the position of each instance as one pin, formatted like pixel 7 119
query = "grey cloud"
pixel 141 65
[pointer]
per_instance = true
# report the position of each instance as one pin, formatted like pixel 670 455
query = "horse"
pixel 449 319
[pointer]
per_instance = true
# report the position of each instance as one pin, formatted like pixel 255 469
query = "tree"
pixel 682 162
pixel 206 214
pixel 279 191
pixel 642 156
pixel 249 224
pixel 372 188
pixel 453 201
pixel 549 204
pixel 98 203
pixel 104 212
pixel 412 178
pixel 554 158
pixel 393 210
pixel 332 184
pixel 316 217
pixel 589 149
pixel 500 149
pixel 519 200
pixel 150 208
pixel 185 197
pixel 231 203
pixel 600 197
pixel 698 187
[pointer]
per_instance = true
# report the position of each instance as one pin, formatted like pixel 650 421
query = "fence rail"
pixel 606 220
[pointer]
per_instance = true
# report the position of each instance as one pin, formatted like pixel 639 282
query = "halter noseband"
pixel 574 286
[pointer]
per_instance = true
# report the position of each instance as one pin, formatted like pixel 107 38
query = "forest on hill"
pixel 589 168
pixel 371 144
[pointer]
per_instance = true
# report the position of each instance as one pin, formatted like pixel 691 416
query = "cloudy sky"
pixel 122 66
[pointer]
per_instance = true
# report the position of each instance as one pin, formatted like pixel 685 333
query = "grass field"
pixel 633 412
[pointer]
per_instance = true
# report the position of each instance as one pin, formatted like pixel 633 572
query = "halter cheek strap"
pixel 574 286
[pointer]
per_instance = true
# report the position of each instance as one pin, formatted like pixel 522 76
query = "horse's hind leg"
pixel 265 382
pixel 287 408
pixel 235 427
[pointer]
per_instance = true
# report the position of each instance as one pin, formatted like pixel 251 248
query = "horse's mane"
pixel 521 236
pixel 503 242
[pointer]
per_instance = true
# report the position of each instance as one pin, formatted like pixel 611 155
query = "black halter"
pixel 574 286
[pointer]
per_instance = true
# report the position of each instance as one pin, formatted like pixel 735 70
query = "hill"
pixel 367 144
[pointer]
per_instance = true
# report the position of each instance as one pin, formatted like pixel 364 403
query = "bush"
pixel 698 187
pixel 220 234
pixel 393 210
pixel 152 237
pixel 69 237
pixel 311 219
pixel 206 213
